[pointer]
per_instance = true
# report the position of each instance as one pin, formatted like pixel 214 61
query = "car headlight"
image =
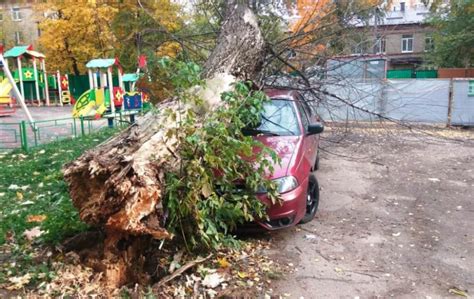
pixel 284 184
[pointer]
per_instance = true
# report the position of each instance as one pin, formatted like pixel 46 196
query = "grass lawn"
pixel 35 207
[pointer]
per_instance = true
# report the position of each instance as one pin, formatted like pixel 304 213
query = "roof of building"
pixel 416 15
pixel 102 63
pixel 23 50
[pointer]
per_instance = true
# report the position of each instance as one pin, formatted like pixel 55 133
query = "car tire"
pixel 312 201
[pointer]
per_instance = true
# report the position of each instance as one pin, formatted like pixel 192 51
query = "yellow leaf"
pixel 223 263
pixel 457 291
pixel 19 195
pixel 242 274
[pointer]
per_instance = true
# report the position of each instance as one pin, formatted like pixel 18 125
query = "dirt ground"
pixel 396 219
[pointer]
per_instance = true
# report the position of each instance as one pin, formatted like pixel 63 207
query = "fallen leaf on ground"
pixel 13 187
pixel 223 263
pixel 213 280
pixel 457 291
pixel 18 282
pixel 19 195
pixel 33 233
pixel 36 218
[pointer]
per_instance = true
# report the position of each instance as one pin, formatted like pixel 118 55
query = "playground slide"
pixel 90 103
pixel 5 88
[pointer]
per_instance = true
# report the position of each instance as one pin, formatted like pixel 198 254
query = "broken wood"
pixel 180 271
pixel 119 184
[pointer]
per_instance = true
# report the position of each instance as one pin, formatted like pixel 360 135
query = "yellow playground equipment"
pixel 9 84
pixel 104 99
pixel 102 95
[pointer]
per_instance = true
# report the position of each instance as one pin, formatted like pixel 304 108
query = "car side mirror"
pixel 315 128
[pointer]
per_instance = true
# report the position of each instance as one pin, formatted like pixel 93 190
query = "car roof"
pixel 276 93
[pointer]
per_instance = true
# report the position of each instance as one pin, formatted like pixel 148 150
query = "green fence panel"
pixel 21 134
pixel 52 82
pixel 400 74
pixel 78 85
pixel 426 74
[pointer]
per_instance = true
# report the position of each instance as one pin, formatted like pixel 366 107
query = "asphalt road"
pixel 396 219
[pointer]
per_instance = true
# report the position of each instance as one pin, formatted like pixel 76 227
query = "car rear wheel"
pixel 312 200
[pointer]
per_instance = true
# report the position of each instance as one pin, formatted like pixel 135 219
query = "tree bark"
pixel 120 183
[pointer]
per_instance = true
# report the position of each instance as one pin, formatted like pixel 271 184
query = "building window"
pixel 379 46
pixel 359 46
pixel 402 6
pixel 429 43
pixel 16 14
pixel 407 43
pixel 18 38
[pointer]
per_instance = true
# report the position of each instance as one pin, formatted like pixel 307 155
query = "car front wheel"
pixel 312 200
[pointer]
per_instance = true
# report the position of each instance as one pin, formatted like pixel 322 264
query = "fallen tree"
pixel 120 184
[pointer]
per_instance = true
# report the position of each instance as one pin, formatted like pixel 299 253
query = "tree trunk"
pixel 120 183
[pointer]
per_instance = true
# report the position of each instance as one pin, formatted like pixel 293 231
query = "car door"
pixel 310 145
pixel 312 140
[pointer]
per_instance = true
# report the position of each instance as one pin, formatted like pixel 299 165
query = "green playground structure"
pixel 105 98
pixel 28 69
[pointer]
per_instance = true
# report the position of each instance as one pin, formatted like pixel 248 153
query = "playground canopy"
pixel 130 77
pixel 19 51
pixel 103 63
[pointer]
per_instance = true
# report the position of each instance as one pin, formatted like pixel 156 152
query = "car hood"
pixel 285 148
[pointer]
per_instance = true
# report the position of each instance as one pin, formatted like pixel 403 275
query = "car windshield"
pixel 278 119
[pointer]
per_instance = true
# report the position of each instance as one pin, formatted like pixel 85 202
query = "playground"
pixel 37 107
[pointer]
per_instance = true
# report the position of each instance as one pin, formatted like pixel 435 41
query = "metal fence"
pixel 446 101
pixel 25 135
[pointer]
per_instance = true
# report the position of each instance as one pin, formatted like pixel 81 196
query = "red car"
pixel 291 128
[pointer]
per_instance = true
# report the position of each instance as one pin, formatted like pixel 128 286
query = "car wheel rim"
pixel 311 200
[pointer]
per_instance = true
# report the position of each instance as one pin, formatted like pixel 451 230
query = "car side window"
pixel 307 107
pixel 304 117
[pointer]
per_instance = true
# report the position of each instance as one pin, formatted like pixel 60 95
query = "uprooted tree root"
pixel 122 259
pixel 165 273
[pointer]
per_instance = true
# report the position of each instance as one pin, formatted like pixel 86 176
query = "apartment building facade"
pixel 19 24
pixel 400 35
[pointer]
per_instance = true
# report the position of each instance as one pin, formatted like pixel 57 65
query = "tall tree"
pixel 454 34
pixel 75 32
pixel 146 27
